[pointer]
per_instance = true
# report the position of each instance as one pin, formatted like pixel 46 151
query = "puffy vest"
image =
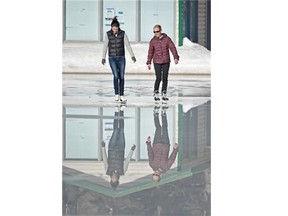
pixel 116 44
pixel 115 162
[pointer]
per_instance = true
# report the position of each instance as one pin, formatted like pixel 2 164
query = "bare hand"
pixel 176 61
pixel 148 139
pixel 175 146
pixel 149 66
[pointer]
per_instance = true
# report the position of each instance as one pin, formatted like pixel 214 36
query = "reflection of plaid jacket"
pixel 159 50
pixel 158 156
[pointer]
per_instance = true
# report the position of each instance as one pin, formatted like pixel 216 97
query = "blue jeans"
pixel 117 140
pixel 117 65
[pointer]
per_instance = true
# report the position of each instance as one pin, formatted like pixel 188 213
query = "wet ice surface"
pixel 89 113
pixel 96 90
pixel 135 85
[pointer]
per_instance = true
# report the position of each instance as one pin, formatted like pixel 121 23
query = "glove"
pixel 103 143
pixel 133 59
pixel 133 147
pixel 148 140
pixel 103 61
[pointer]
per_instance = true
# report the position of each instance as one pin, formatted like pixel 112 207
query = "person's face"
pixel 115 29
pixel 114 178
pixel 157 32
pixel 156 176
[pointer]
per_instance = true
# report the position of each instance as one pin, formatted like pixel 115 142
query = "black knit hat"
pixel 115 22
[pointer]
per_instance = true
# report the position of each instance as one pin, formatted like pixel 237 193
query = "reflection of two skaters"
pixel 158 153
pixel 116 165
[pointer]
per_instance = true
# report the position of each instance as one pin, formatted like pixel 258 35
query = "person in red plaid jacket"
pixel 159 47
pixel 158 153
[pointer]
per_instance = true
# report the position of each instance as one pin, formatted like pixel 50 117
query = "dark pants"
pixel 161 72
pixel 161 133
pixel 117 65
pixel 117 140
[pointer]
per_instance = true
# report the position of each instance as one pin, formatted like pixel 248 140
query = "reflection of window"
pixel 80 133
pixel 81 139
pixel 108 130
pixel 84 129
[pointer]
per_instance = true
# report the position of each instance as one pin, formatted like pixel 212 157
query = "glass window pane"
pixel 81 20
pixel 157 12
pixel 126 13
pixel 81 139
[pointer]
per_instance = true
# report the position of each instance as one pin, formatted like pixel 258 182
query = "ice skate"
pixel 164 109
pixel 117 108
pixel 117 98
pixel 122 99
pixel 122 107
pixel 164 98
pixel 156 98
pixel 156 110
pixel 165 106
pixel 123 103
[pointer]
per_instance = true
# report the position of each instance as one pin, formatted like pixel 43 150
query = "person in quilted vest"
pixel 159 47
pixel 115 42
pixel 115 164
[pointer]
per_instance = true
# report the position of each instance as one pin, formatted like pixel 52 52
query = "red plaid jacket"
pixel 158 156
pixel 159 50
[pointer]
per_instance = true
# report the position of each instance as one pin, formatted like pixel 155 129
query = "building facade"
pixel 89 20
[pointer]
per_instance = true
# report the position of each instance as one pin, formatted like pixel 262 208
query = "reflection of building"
pixel 86 187
pixel 196 133
pixel 89 20
pixel 85 128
